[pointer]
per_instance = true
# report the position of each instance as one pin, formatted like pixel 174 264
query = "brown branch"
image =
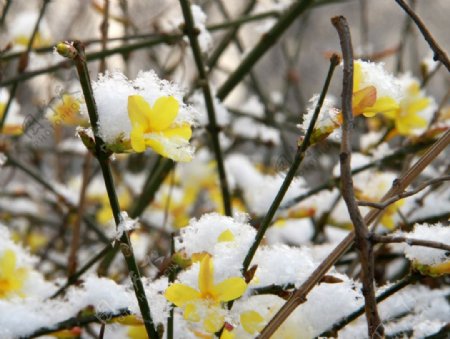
pixel 104 33
pixel 362 242
pixel 439 53
pixel 387 239
pixel 75 243
pixel 299 296
pixel 399 196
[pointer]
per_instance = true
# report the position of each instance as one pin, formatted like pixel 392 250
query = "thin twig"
pixel 5 12
pixel 402 195
pixel 104 33
pixel 334 181
pixel 439 53
pixel 99 317
pixel 23 63
pixel 223 44
pixel 299 296
pixel 11 161
pixel 394 288
pixel 75 243
pixel 387 239
pixel 299 156
pixel 362 242
pixel 76 53
pixel 212 128
pixel 267 41
pixel 124 49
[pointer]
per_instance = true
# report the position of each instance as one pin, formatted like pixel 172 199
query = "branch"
pixel 334 181
pixel 299 296
pixel 394 288
pixel 390 201
pixel 100 317
pixel 439 53
pixel 387 239
pixel 76 53
pixel 299 156
pixel 263 46
pixel 362 242
pixel 213 130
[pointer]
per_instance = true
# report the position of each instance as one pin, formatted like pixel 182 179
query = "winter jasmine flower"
pixel 369 98
pixel 144 113
pixel 205 302
pixel 11 276
pixel 67 111
pixel 409 117
pixel 155 127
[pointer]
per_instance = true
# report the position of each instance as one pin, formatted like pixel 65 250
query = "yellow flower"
pixel 155 127
pixel 387 219
pixel 67 112
pixel 205 302
pixel 406 117
pixel 39 40
pixel 9 128
pixel 435 270
pixel 252 322
pixel 365 100
pixel 11 277
pixel 137 332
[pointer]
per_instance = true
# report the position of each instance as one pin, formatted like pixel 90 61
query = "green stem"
pixel 4 12
pixel 223 44
pixel 299 156
pixel 100 317
pixel 102 157
pixel 263 46
pixel 192 33
pixel 23 63
pixel 74 277
pixel 167 39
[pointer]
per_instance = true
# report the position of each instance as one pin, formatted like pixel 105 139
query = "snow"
pixel 126 224
pixel 111 92
pixel 259 190
pixel 427 255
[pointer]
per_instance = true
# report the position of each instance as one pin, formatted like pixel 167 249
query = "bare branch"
pixel 386 239
pixel 439 53
pixel 386 203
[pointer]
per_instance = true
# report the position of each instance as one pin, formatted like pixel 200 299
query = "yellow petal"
pixel 418 105
pixel 252 321
pixel 226 236
pixel 230 289
pixel 227 334
pixel 8 264
pixel 139 112
pixel 175 148
pixel 206 276
pixel 184 132
pixel 180 294
pixel 406 124
pixel 130 320
pixel 385 105
pixel 362 99
pixel 191 313
pixel 213 321
pixel 137 139
pixel 357 75
pixel 164 112
pixel 137 332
